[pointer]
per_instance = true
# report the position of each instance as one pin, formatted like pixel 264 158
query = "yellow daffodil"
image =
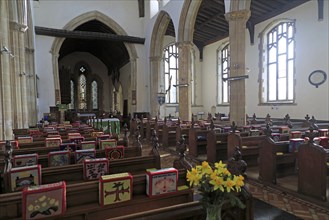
pixel 217 183
pixel 238 182
pixel 193 177
pixel 229 184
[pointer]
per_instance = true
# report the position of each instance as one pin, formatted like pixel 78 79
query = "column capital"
pixel 18 27
pixel 29 50
pixel 242 15
pixel 155 58
pixel 185 44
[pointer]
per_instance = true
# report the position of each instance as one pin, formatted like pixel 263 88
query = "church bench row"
pixel 83 201
pixel 74 173
pixel 43 157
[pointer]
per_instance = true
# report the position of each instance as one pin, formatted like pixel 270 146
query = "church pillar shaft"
pixel 6 104
pixel 133 84
pixel 155 78
pixel 185 57
pixel 237 27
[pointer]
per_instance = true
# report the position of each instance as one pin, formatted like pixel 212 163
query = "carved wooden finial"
pixel 235 164
pixel 181 162
pixel 287 121
pixel 154 139
pixel 254 116
pixel 311 134
pixel 307 118
pixel 212 124
pixel 268 119
pixel 8 153
pixel 125 136
pixel 234 127
pixel 268 130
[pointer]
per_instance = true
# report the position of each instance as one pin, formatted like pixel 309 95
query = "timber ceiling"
pixel 210 26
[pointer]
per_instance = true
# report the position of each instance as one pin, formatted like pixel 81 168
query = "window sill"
pixel 277 103
pixel 224 105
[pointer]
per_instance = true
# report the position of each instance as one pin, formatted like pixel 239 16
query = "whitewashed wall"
pixel 311 54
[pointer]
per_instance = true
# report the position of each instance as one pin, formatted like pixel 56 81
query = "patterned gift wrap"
pixel 88 145
pixel 21 177
pixel 324 142
pixel 113 153
pixel 25 160
pixel 323 132
pixel 107 143
pixel 68 146
pixel 59 158
pixel 81 155
pixel 276 136
pixel 22 140
pixel 97 133
pixel 73 135
pixel 102 137
pixel 161 182
pixel 294 144
pixel 53 142
pixel 95 168
pixel 115 188
pixel 77 140
pixel 254 132
pixel 44 201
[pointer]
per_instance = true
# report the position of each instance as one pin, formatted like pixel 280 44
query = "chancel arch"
pixel 114 55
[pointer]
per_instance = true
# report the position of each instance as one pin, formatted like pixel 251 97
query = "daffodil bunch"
pixel 216 184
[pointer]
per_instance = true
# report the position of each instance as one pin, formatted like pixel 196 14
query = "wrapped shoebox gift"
pixel 21 177
pixel 295 134
pixel 25 160
pixel 276 136
pixel 107 143
pixel 284 130
pixel 95 168
pixel 54 136
pixel 13 143
pixel 68 146
pixel 26 139
pixel 254 132
pixel 226 129
pixel 323 132
pixel 97 133
pixel 77 140
pixel 59 158
pixel 102 137
pixel 115 188
pixel 73 135
pixel 246 128
pixel 88 145
pixel 81 155
pixel 53 142
pixel 324 142
pixel 113 153
pixel 44 201
pixel 161 182
pixel 294 144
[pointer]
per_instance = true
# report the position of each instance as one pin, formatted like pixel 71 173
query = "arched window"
pixel 71 105
pixel 278 61
pixel 94 94
pixel 170 58
pixel 82 92
pixel 223 88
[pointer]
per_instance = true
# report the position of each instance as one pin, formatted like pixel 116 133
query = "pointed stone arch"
pixel 81 19
pixel 156 46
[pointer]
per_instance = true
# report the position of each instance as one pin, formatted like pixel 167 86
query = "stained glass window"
pixel 82 92
pixel 94 94
pixel 71 105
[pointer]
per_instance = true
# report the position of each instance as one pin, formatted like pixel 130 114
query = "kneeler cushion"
pixel 44 201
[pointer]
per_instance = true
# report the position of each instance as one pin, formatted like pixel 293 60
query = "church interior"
pixel 164 109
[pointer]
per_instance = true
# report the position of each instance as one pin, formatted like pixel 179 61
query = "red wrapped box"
pixel 59 158
pixel 44 201
pixel 21 177
pixel 77 140
pixel 284 130
pixel 27 139
pixel 25 160
pixel 276 136
pixel 161 182
pixel 295 134
pixel 115 188
pixel 103 144
pixel 294 144
pixel 53 142
pixel 73 135
pixel 113 153
pixel 68 146
pixel 81 155
pixel 94 168
pixel 88 145
pixel 323 132
pixel 14 144
pixel 324 142
pixel 97 133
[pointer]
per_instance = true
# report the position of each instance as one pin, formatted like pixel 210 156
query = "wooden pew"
pixel 248 146
pixel 271 165
pixel 197 141
pixel 82 201
pixel 43 158
pixel 169 134
pixel 312 170
pixel 183 129
pixel 216 146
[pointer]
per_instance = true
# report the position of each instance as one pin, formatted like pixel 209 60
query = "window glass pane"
pixel 225 92
pixel 272 55
pixel 71 105
pixel 170 69
pixel 94 94
pixel 82 92
pixel 282 45
pixel 282 66
pixel 290 79
pixel 282 88
pixel 291 47
pixel 290 31
pixel 272 82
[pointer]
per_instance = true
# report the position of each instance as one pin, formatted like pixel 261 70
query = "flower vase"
pixel 214 212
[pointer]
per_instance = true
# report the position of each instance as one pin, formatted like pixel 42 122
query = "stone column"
pixel 133 84
pixel 56 78
pixel 154 85
pixel 6 98
pixel 237 28
pixel 185 57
